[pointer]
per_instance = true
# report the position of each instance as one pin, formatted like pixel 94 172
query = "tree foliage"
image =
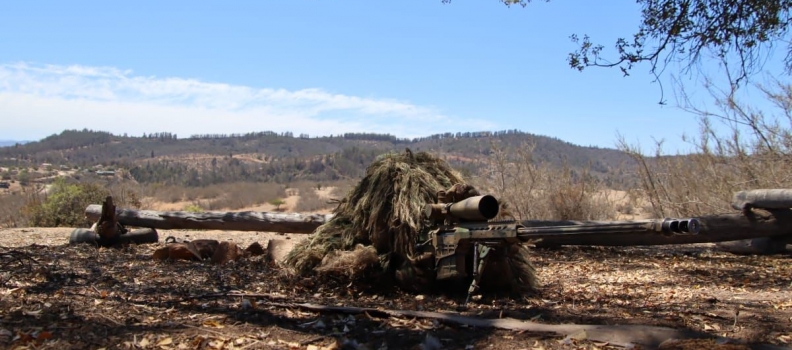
pixel 741 33
pixel 64 204
pixel 277 202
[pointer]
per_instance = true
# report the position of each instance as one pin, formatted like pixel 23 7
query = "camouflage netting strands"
pixel 510 270
pixel 383 211
pixel 375 228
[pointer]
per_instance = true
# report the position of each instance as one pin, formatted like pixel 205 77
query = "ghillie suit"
pixel 376 227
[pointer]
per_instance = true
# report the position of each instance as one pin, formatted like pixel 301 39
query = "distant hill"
pixel 7 143
pixel 283 157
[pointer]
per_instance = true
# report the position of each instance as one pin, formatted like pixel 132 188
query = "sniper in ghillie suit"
pixel 414 222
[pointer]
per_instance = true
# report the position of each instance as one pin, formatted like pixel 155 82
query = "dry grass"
pixel 342 188
pixel 536 191
pixel 10 208
pixel 349 262
pixel 245 194
pixel 165 194
pixel 225 196
pixel 310 201
pixel 753 152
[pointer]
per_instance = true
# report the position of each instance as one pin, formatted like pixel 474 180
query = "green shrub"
pixel 277 202
pixel 193 208
pixel 64 204
pixel 23 177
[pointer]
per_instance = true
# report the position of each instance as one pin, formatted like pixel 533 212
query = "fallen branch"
pixel 715 228
pixel 619 335
pixel 214 220
pixel 241 295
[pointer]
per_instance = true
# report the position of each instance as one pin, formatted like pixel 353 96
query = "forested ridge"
pixel 199 160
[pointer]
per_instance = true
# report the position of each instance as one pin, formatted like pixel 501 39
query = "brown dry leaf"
pixel 44 335
pixel 784 305
pixel 333 346
pixel 166 341
pixel 24 338
pixel 291 345
pixel 212 323
pixel 144 342
pixel 197 341
pixel 218 344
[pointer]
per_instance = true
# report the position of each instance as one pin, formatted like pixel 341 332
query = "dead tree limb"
pixel 715 228
pixel 230 221
pixel 619 335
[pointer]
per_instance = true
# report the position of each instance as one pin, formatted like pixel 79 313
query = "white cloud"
pixel 39 100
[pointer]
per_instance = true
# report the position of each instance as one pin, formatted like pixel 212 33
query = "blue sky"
pixel 408 67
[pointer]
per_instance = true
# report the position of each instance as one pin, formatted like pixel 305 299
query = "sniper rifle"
pixel 461 235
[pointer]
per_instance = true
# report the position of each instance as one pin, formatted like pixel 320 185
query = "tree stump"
pixel 107 227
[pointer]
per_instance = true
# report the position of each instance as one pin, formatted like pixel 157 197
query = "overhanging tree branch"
pixel 743 31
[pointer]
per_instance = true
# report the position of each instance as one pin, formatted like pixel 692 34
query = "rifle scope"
pixel 478 208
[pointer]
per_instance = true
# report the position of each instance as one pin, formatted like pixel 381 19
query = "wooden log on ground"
pixel 756 246
pixel 778 198
pixel 230 221
pixel 714 228
pixel 139 236
pixel 81 235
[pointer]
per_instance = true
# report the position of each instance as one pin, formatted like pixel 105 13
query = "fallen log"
pixel 756 246
pixel 750 224
pixel 714 228
pixel 212 220
pixel 139 236
pixel 777 198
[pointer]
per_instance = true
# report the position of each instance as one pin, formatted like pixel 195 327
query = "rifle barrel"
pixel 665 226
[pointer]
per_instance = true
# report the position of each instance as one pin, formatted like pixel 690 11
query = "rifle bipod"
pixel 480 255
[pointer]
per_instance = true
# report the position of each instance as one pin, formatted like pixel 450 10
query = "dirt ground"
pixel 55 296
